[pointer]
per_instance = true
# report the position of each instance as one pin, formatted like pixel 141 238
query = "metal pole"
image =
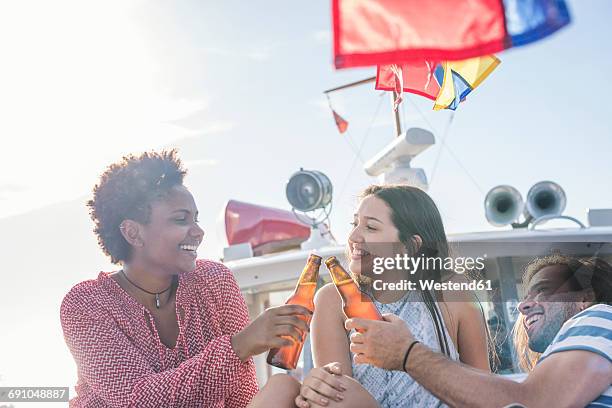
pixel 363 81
pixel 398 123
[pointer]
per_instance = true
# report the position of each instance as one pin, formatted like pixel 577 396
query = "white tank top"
pixel 396 389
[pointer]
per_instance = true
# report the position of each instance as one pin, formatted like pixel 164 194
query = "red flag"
pixel 415 77
pixel 368 32
pixel 341 123
pixel 377 32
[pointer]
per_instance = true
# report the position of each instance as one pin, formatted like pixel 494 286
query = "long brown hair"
pixel 413 212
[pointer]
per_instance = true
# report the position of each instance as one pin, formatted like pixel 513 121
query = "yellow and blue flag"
pixel 447 83
pixel 458 78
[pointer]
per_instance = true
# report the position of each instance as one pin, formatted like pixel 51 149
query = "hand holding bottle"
pixel 269 329
pixel 287 357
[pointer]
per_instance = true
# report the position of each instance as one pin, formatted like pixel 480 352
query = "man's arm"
pixel 384 344
pixel 556 380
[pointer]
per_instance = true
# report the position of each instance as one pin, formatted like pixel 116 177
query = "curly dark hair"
pixel 125 191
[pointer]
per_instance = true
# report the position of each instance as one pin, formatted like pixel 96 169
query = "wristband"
pixel 408 353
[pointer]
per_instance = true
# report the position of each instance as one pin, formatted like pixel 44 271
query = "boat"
pixel 268 247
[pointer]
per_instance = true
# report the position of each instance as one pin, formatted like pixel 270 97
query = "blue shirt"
pixel 589 330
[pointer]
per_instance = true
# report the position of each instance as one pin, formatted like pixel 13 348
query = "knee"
pixel 279 391
pixel 356 396
pixel 284 382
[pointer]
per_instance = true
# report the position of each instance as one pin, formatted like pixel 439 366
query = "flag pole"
pixel 363 81
pixel 398 123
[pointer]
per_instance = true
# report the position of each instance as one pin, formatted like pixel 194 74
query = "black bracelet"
pixel 408 353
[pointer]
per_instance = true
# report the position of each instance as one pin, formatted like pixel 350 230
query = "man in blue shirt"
pixel 567 317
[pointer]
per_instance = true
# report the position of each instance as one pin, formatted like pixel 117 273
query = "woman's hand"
pixel 267 330
pixel 322 385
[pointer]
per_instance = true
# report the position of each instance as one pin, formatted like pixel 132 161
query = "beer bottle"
pixel 287 357
pixel 354 302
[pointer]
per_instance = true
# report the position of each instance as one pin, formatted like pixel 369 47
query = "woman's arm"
pixel 329 338
pixel 472 338
pixel 466 323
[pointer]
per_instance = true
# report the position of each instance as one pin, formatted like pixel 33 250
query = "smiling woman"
pixel 166 329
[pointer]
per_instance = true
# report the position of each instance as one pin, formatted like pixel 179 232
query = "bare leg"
pixel 279 392
pixel 355 396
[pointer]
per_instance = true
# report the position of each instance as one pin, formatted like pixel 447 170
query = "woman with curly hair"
pixel 166 330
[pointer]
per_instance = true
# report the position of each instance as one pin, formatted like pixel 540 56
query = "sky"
pixel 238 87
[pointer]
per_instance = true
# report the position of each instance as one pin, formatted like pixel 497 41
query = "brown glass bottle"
pixel 354 302
pixel 287 357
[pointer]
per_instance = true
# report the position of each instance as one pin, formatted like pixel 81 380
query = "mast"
pixel 396 117
pixel 398 124
pixel 392 163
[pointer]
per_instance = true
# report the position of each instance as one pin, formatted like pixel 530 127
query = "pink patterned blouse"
pixel 122 362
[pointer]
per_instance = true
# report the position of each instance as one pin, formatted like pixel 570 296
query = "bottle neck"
pixel 339 275
pixel 305 291
pixel 309 277
pixel 310 274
